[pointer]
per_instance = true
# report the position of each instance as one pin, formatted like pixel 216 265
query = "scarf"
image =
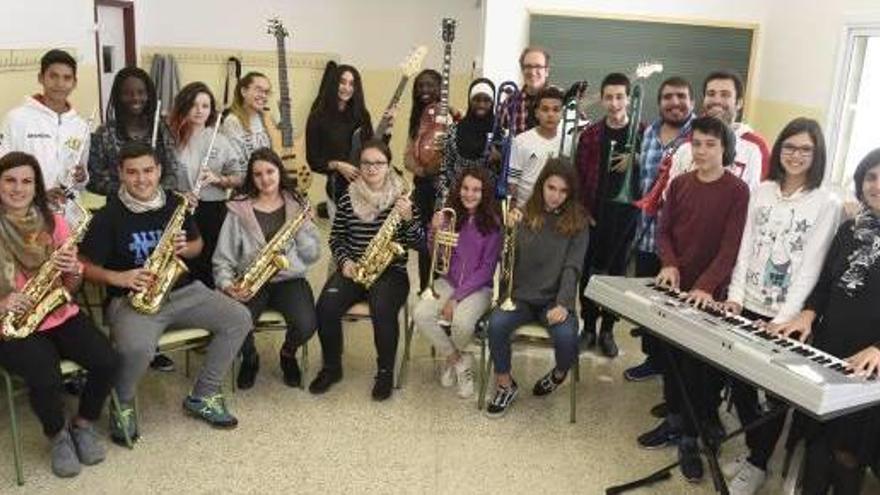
pixel 368 204
pixel 24 244
pixel 866 233
pixel 137 206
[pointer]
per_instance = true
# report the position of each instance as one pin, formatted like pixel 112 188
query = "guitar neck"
pixel 385 122
pixel 444 83
pixel 284 104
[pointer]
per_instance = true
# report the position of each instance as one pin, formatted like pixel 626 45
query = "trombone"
pixel 505 99
pixel 445 239
pixel 630 147
pixel 508 256
pixel 571 119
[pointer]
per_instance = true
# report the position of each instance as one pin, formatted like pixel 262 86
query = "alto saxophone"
pixel 44 289
pixel 164 264
pixel 272 257
pixel 381 250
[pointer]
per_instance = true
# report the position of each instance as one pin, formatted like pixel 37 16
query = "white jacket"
pixel 752 155
pixel 58 141
pixel 782 249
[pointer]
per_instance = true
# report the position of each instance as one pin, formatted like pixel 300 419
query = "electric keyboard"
pixel 815 381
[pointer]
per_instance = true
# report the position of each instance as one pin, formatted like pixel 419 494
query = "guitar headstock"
pixel 448 29
pixel 276 28
pixel 413 62
pixel 646 69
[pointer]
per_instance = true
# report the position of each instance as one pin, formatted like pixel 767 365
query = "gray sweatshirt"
pixel 241 239
pixel 548 264
pixel 225 160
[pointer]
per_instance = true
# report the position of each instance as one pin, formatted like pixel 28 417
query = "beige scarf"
pixel 24 245
pixel 135 205
pixel 368 204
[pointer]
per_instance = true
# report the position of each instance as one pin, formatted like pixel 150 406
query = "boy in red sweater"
pixel 700 230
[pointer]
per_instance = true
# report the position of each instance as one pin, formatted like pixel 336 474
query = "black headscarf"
pixel 471 130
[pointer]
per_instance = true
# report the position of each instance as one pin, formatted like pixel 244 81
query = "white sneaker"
pixel 464 374
pixel 447 376
pixel 748 481
pixel 732 468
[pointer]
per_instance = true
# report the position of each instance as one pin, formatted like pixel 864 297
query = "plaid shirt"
pixel 525 114
pixel 652 155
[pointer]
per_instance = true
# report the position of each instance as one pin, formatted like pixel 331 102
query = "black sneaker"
pixel 663 435
pixel 548 383
pixel 325 379
pixel 588 340
pixel 660 410
pixel 689 460
pixel 642 372
pixel 384 385
pixel 607 345
pixel 247 374
pixel 290 368
pixel 502 400
pixel 161 362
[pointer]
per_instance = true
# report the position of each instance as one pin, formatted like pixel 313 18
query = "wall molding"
pixel 249 58
pixel 26 59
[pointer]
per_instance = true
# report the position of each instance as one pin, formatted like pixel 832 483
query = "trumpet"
pixel 445 239
pixel 508 256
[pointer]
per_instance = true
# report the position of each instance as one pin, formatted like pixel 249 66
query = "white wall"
pixel 42 23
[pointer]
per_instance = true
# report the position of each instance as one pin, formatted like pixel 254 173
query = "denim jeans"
pixel 503 324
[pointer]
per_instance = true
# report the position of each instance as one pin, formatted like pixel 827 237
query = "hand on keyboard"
pixel 798 328
pixel 669 277
pixel 866 362
pixel 699 298
pixel 732 307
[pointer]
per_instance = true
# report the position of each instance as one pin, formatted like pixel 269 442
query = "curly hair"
pixel 486 216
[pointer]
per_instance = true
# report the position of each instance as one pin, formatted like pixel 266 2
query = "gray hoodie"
pixel 241 239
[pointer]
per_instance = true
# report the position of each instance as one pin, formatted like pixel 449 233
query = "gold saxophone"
pixel 272 257
pixel 164 264
pixel 381 250
pixel 44 289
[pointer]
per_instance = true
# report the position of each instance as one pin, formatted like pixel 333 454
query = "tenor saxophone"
pixel 381 250
pixel 164 264
pixel 44 289
pixel 271 259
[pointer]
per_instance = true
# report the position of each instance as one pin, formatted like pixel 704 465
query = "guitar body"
pixel 294 163
pixel 428 149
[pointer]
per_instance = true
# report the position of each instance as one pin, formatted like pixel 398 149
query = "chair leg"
pixel 305 365
pixel 16 440
pixel 117 406
pixel 484 375
pixel 573 384
pixel 407 340
pixel 186 364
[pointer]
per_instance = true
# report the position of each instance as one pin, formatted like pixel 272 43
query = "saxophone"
pixel 272 257
pixel 44 289
pixel 381 250
pixel 163 263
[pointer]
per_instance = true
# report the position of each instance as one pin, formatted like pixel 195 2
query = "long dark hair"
pixel 15 159
pixel 486 215
pixel 415 114
pixel 327 101
pixel 116 110
pixel 248 188
pixel 571 213
pixel 816 172
pixel 183 102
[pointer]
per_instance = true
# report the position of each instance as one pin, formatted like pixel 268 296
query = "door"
pixel 114 43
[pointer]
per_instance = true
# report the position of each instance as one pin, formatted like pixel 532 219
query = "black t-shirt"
pixel 120 240
pixel 612 181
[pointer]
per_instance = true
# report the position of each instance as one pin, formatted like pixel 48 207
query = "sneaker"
pixel 663 435
pixel 247 374
pixel 212 409
pixel 464 375
pixel 607 345
pixel 65 463
pixel 447 376
pixel 123 421
pixel 748 480
pixel 384 385
pixel 689 460
pixel 325 379
pixel 88 448
pixel 660 410
pixel 548 383
pixel 642 372
pixel 502 400
pixel 290 368
pixel 588 339
pixel 161 362
pixel 731 468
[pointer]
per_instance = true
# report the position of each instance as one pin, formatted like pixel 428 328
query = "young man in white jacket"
pixel 47 126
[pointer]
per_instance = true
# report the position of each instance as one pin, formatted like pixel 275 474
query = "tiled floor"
pixel 423 440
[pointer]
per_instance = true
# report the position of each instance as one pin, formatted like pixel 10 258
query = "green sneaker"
pixel 211 409
pixel 123 421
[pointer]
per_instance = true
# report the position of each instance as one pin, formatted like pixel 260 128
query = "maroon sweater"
pixel 700 230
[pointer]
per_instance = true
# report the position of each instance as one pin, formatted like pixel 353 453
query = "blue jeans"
pixel 502 324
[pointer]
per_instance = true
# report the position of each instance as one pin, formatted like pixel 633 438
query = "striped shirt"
pixel 350 235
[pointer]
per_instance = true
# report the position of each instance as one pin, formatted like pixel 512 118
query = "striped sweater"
pixel 350 235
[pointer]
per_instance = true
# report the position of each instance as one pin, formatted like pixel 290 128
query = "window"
pixel 853 130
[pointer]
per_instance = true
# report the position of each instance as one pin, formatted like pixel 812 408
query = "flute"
pixel 156 117
pixel 203 168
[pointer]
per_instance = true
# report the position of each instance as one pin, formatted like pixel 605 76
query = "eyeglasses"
pixel 790 149
pixel 368 164
pixel 533 67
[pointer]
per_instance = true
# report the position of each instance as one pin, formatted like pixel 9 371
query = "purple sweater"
pixel 473 260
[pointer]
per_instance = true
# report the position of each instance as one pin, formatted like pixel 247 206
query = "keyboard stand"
pixel 707 446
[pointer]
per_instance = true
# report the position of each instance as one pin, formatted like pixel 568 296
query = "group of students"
pixel 774 250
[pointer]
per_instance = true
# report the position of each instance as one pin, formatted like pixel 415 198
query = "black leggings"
pixel 209 218
pixel 385 299
pixel 294 300
pixel 36 359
